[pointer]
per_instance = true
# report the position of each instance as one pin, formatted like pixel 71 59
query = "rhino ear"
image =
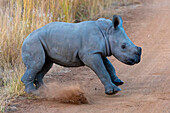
pixel 117 21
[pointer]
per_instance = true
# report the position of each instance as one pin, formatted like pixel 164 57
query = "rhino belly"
pixel 67 62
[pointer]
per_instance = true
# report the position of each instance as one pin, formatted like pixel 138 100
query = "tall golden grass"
pixel 18 18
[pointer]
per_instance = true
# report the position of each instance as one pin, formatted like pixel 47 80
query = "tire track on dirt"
pixel 155 60
pixel 152 58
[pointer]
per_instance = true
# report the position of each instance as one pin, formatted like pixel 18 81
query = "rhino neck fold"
pixel 105 36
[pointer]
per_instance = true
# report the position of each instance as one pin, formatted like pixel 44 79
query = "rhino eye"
pixel 123 46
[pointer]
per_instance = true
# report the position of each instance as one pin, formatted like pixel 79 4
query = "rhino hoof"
pixel 114 91
pixel 30 88
pixel 38 84
pixel 118 82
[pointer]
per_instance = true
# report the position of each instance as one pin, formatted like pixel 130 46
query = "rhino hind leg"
pixel 34 60
pixel 38 81
pixel 112 72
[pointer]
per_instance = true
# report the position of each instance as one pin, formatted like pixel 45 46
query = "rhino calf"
pixel 78 44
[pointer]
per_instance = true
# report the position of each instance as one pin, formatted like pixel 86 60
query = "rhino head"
pixel 121 46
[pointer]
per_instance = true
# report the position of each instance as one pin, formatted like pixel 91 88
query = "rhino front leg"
pixel 95 62
pixel 112 72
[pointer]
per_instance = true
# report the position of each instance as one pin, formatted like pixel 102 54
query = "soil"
pixel 147 84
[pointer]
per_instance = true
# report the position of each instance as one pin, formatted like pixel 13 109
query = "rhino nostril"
pixel 139 51
pixel 132 60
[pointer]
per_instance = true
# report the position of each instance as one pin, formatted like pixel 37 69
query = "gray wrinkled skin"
pixel 78 44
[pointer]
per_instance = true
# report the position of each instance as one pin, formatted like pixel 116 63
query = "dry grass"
pixel 18 18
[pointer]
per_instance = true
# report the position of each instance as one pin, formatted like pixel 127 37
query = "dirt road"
pixel 147 85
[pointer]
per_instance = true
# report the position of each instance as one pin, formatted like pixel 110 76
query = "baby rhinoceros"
pixel 86 43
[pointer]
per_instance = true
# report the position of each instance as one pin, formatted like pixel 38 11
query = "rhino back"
pixel 67 43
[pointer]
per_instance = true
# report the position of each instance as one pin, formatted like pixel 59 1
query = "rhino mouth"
pixel 133 61
pixel 130 62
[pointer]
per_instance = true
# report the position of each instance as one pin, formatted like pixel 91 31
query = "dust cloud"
pixel 63 93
